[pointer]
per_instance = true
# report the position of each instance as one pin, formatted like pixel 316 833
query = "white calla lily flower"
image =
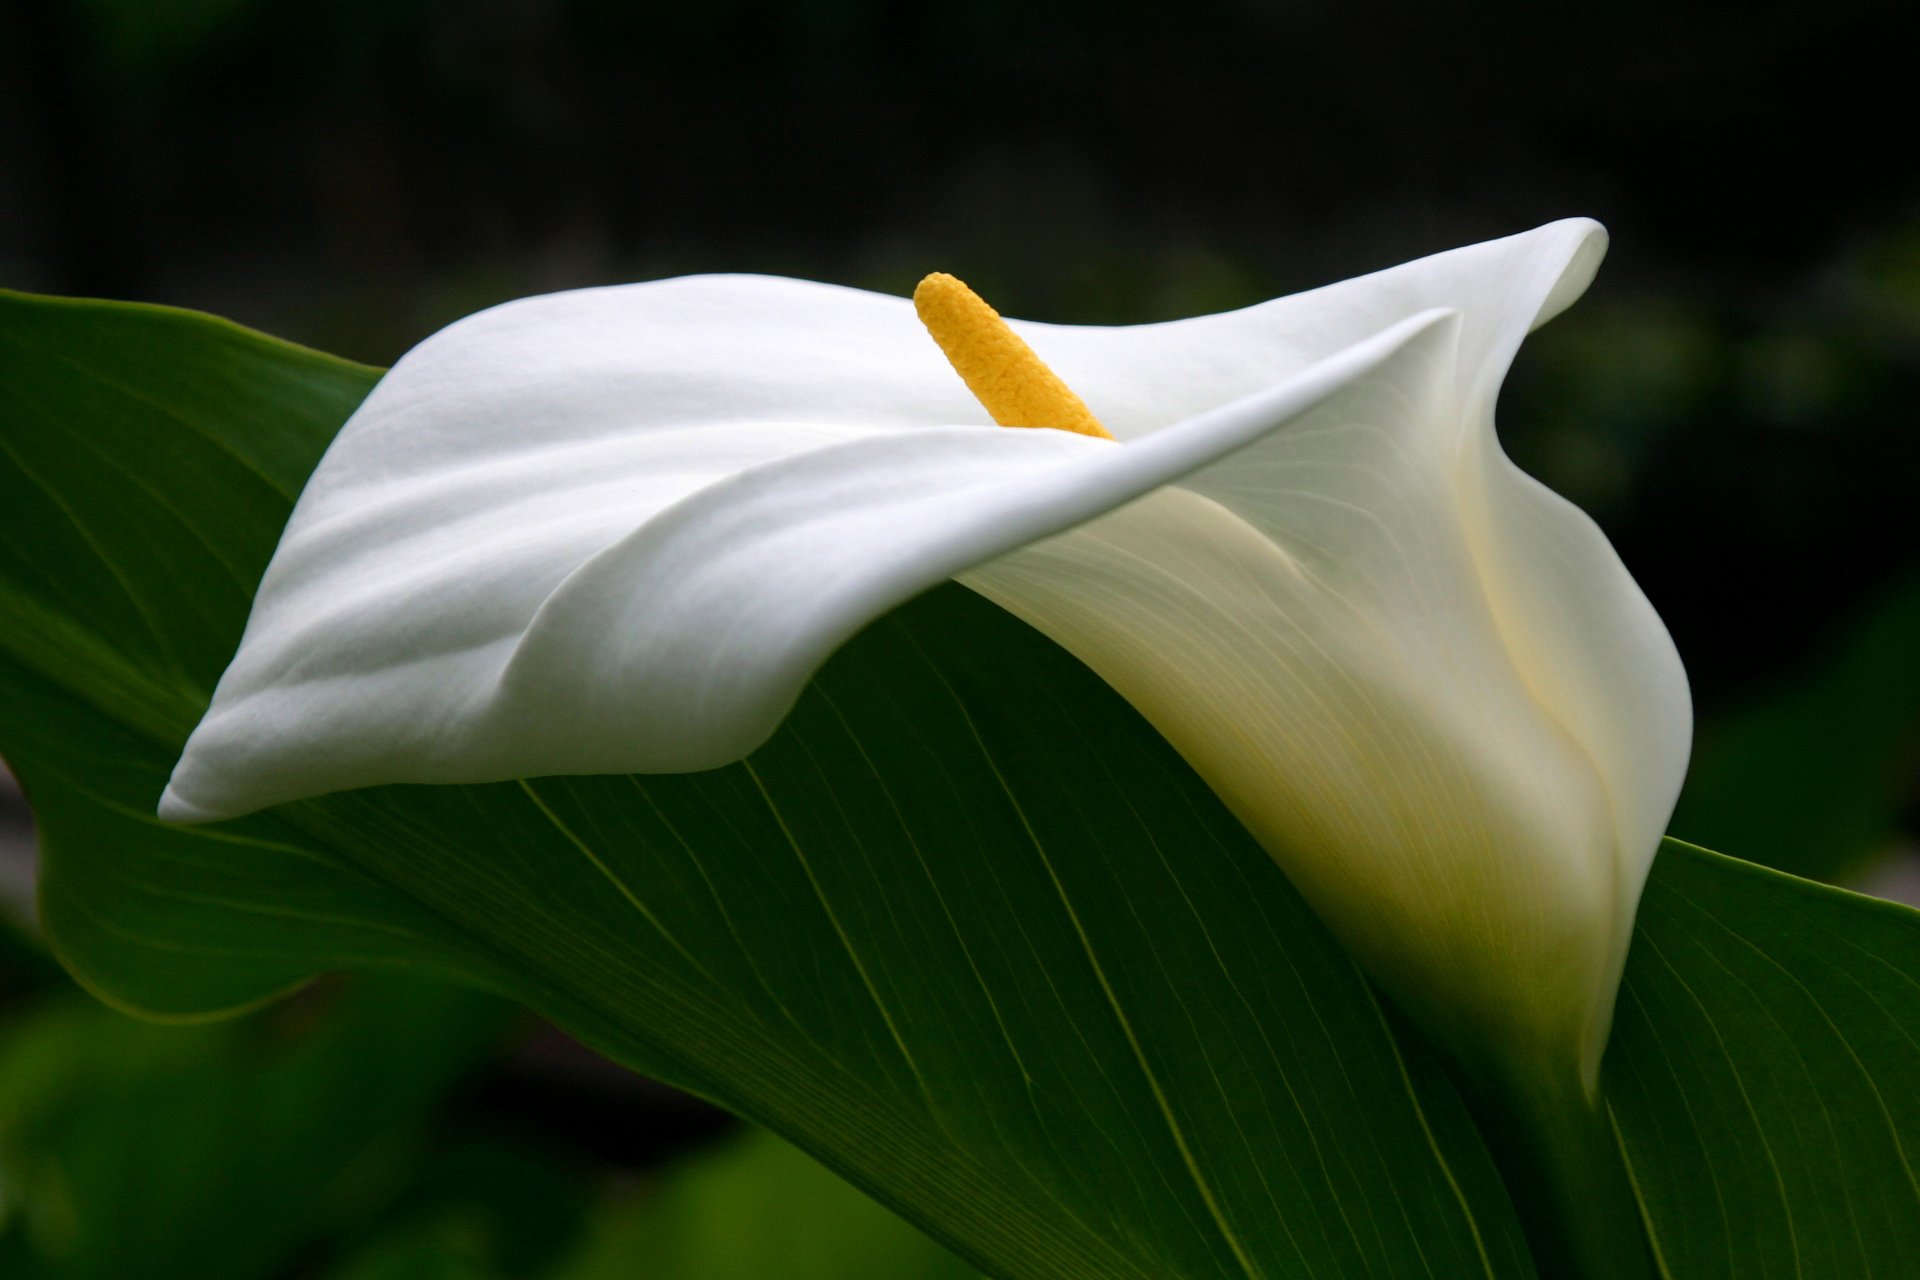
pixel 617 530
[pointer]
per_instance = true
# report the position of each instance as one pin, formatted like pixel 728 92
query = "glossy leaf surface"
pixel 1763 1072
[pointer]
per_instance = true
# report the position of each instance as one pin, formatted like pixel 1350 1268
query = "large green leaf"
pixel 1763 1074
pixel 965 930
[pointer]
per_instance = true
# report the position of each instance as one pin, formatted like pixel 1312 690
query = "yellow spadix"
pixel 1002 371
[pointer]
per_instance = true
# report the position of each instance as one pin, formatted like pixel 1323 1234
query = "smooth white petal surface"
pixel 584 593
pixel 618 529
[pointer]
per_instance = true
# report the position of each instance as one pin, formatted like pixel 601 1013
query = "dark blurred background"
pixel 1733 400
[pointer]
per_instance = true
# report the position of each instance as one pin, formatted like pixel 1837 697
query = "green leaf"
pixel 756 1208
pixel 1762 1074
pixel 967 931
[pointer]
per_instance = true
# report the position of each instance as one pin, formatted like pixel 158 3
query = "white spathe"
pixel 617 530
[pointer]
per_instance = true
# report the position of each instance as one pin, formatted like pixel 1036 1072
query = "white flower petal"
pixel 487 595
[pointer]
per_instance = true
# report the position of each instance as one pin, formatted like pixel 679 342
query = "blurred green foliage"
pixel 753 1209
pixel 127 1148
pixel 336 1137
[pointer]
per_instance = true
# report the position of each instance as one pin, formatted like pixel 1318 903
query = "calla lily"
pixel 616 530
